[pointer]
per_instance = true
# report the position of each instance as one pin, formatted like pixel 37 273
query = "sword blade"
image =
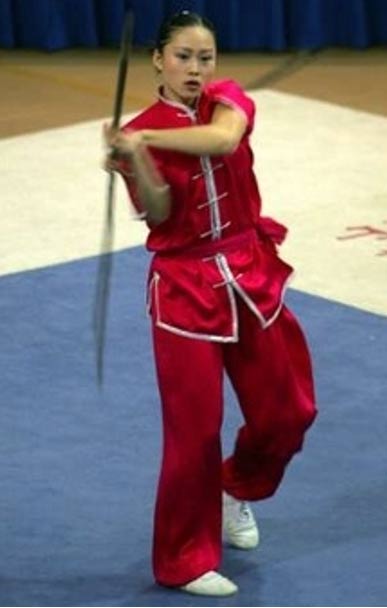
pixel 105 262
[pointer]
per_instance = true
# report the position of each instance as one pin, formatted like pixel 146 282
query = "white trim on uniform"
pixel 232 286
pixel 153 288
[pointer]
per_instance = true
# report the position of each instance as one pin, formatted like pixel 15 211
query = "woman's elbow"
pixel 158 214
pixel 230 147
pixel 157 217
pixel 228 143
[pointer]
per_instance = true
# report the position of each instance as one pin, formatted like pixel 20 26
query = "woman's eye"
pixel 206 59
pixel 182 56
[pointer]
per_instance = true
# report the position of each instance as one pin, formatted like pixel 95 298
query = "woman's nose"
pixel 194 66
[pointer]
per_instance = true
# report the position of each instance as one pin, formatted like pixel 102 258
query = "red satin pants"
pixel 270 371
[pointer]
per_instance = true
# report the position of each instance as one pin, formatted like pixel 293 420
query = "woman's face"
pixel 186 63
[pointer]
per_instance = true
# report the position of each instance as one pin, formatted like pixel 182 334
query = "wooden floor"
pixel 43 90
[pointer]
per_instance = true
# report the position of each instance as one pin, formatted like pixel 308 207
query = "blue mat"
pixel 78 468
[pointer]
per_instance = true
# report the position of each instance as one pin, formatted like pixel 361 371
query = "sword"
pixel 102 290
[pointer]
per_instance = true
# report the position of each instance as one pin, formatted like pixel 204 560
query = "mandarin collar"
pixel 188 111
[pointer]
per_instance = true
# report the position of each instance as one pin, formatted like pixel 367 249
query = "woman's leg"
pixel 271 373
pixel 187 534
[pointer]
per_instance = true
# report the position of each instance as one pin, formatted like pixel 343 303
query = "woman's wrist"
pixel 147 137
pixel 133 142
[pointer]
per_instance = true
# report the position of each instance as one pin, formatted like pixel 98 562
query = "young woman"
pixel 215 295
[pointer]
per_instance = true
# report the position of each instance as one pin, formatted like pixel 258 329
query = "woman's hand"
pixel 127 153
pixel 121 144
pixel 111 164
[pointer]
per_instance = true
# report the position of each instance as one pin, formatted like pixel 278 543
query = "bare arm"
pixel 153 191
pixel 221 136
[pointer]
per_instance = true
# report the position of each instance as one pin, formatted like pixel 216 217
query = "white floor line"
pixel 321 169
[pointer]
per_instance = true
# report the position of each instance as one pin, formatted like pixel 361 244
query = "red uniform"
pixel 215 295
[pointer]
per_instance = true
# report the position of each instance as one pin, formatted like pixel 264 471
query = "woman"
pixel 215 296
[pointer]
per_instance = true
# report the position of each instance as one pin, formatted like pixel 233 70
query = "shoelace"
pixel 244 510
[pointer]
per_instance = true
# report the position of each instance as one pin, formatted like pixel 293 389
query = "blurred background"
pixel 59 56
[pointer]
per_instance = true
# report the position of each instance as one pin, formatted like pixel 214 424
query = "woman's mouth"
pixel 192 84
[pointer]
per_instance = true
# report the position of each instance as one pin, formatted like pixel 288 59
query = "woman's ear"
pixel 157 59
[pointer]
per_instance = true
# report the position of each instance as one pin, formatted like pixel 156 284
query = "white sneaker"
pixel 239 526
pixel 210 583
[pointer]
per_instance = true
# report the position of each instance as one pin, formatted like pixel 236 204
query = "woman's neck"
pixel 175 99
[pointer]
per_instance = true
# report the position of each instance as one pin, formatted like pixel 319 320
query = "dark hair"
pixel 178 21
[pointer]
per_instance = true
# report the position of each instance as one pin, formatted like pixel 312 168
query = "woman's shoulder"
pixel 231 93
pixel 226 87
pixel 150 117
